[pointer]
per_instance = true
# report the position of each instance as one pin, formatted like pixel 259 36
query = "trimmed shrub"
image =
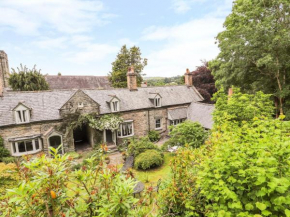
pixel 138 146
pixel 188 133
pixel 149 159
pixel 154 136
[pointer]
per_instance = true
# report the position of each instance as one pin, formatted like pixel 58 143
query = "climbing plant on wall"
pixel 105 122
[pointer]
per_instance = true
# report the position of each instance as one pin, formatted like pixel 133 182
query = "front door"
pixel 109 136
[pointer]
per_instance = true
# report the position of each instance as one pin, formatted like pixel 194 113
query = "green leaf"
pixel 261 206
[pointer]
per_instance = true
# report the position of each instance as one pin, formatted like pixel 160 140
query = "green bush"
pixel 188 132
pixel 3 151
pixel 149 159
pixel 138 146
pixel 154 136
pixel 8 160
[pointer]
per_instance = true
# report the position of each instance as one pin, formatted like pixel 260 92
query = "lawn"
pixel 153 175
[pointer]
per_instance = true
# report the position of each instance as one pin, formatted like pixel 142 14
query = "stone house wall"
pixel 25 130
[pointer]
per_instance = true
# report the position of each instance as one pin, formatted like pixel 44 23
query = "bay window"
pixel 30 146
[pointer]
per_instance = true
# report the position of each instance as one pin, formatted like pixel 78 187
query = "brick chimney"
pixel 188 78
pixel 131 79
pixel 4 72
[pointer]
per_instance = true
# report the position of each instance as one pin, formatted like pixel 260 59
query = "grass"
pixel 153 175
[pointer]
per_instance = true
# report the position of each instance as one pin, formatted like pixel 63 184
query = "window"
pixel 115 105
pixel 158 124
pixel 22 116
pixel 26 147
pixel 157 101
pixel 177 121
pixel 126 129
pixel 80 105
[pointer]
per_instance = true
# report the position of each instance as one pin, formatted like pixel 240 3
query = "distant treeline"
pixel 160 81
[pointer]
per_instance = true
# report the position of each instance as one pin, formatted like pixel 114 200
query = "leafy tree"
pixel 126 58
pixel 255 49
pixel 242 170
pixel 188 132
pixel 27 79
pixel 241 107
pixel 204 82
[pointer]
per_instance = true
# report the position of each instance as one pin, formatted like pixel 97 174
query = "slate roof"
pixel 46 104
pixel 57 82
pixel 133 100
pixel 202 113
pixel 177 113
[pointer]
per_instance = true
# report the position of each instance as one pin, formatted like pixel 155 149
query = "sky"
pixel 83 37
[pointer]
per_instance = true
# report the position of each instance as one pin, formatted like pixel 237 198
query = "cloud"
pixel 182 6
pixel 127 41
pixel 91 52
pixel 185 45
pixel 51 43
pixel 65 16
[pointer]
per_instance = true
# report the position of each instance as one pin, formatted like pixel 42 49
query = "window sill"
pixel 158 129
pixel 121 137
pixel 26 153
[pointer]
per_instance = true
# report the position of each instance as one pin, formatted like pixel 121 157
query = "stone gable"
pixel 80 102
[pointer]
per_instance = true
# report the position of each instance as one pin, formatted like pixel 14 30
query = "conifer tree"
pixel 126 58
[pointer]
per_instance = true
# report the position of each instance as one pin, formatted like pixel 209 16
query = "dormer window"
pixel 157 101
pixel 80 105
pixel 115 104
pixel 21 114
pixel 155 98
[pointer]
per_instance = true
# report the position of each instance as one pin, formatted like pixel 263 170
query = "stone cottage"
pixel 31 122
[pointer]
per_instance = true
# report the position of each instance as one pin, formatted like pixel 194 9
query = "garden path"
pixel 116 159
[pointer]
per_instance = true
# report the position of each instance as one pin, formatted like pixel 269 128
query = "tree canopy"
pixel 126 58
pixel 255 49
pixel 27 79
pixel 204 82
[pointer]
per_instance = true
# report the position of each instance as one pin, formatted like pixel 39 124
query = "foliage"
pixel 149 159
pixel 241 107
pixel 188 132
pixel 204 82
pixel 8 177
pixel 255 49
pixel 137 146
pixel 8 160
pixel 27 79
pixel 125 59
pixel 242 170
pixel 105 122
pixel 167 81
pixel 247 171
pixel 74 155
pixel 50 188
pixel 3 151
pixel 154 136
pixel 179 195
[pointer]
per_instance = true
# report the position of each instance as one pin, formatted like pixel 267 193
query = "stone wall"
pixel 72 105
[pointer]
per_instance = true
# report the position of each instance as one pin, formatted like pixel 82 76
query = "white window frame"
pixel 157 101
pixel 15 152
pixel 115 105
pixel 80 105
pixel 160 127
pixel 22 115
pixel 120 131
pixel 177 121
